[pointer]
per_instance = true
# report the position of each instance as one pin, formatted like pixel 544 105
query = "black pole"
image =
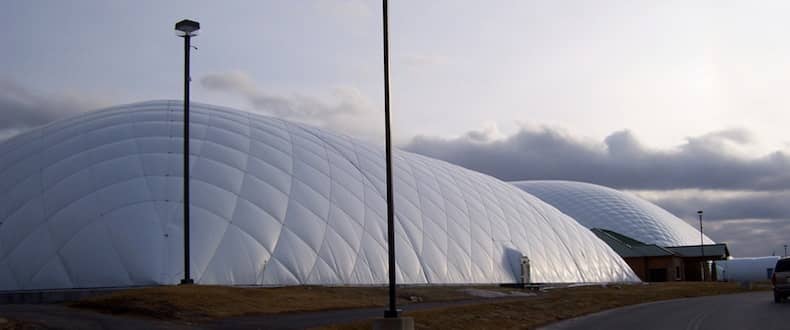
pixel 785 250
pixel 187 279
pixel 701 244
pixel 392 311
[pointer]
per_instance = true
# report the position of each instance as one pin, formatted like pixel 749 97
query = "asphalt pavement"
pixel 754 310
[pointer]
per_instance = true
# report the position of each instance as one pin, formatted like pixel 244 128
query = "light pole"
pixel 186 29
pixel 701 243
pixel 785 250
pixel 392 311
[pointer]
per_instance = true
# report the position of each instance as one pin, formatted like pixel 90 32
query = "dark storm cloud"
pixel 621 161
pixel 750 237
pixel 21 108
pixel 752 223
pixel 728 206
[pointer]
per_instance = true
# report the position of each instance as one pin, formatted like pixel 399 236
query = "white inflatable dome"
pixel 95 201
pixel 596 206
pixel 746 269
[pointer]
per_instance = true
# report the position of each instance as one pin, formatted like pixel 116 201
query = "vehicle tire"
pixel 777 298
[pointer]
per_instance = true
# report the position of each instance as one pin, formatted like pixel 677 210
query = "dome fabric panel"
pixel 96 201
pixel 596 206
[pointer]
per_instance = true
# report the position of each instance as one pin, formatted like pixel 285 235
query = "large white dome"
pixel 95 201
pixel 597 206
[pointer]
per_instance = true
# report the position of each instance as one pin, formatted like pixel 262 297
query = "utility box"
pixel 525 271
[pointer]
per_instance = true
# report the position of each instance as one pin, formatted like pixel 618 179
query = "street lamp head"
pixel 699 212
pixel 187 28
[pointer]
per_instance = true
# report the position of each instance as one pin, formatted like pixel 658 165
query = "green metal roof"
pixel 629 247
pixel 711 250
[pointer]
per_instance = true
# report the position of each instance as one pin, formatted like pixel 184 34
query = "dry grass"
pixel 212 302
pixel 11 324
pixel 204 303
pixel 556 305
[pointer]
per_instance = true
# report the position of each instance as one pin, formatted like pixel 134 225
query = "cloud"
pixel 723 205
pixel 347 110
pixel 751 237
pixel 752 223
pixel 710 161
pixel 22 108
pixel 744 196
pixel 489 133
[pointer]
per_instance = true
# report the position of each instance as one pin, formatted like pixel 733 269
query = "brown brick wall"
pixel 672 265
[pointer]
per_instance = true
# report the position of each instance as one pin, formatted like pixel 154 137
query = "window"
pixel 783 265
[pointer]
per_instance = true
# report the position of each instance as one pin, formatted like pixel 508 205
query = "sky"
pixel 684 103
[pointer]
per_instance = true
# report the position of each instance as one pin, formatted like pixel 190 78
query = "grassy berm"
pixel 202 302
pixel 198 303
pixel 559 304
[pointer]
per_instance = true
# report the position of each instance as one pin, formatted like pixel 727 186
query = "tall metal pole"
pixel 701 243
pixel 392 311
pixel 785 250
pixel 187 279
